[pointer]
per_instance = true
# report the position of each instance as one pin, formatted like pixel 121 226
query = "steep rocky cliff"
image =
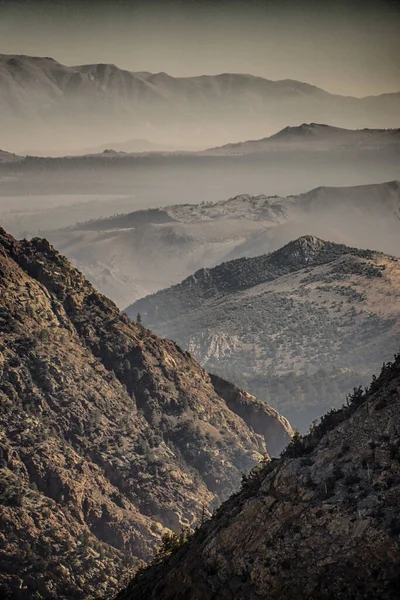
pixel 108 435
pixel 262 418
pixel 322 522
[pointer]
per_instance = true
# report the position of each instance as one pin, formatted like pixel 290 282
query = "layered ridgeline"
pixel 38 91
pixel 314 154
pixel 321 522
pixel 108 435
pixel 136 254
pixel 312 137
pixel 299 327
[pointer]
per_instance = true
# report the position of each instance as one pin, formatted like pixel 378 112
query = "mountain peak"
pixel 307 130
pixel 307 241
pixel 303 248
pixel 106 94
pixel 241 274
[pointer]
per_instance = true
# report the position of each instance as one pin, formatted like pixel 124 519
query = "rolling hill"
pixel 297 327
pixel 312 137
pixel 132 255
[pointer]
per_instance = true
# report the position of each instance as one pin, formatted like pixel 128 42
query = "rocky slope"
pixel 108 435
pixel 39 91
pixel 321 522
pixel 297 327
pixel 131 255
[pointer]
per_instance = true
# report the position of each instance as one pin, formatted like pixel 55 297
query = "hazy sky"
pixel 348 47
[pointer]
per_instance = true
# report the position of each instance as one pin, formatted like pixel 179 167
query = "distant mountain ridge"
pixel 323 130
pixel 127 146
pixel 307 136
pixel 148 179
pixel 44 91
pixel 296 327
pixel 313 136
pixel 132 255
pixel 238 275
pixel 9 157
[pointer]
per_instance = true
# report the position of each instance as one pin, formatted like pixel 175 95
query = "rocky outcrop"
pixel 262 418
pixel 321 522
pixel 108 435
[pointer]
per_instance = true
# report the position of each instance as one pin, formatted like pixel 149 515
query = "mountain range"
pixel 297 327
pixel 89 103
pixel 109 436
pixel 131 255
pixel 41 193
pixel 257 224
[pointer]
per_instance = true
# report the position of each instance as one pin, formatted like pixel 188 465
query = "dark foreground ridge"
pixel 108 434
pixel 321 522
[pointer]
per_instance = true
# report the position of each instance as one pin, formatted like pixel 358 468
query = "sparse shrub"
pixel 295 447
pixel 351 479
pixel 43 335
pixel 337 472
pixel 18 498
pixel 125 366
pixel 310 483
pixel 171 542
pixel 124 318
pixel 356 397
pixel 255 473
pixel 139 323
pixel 344 449
pixel 136 374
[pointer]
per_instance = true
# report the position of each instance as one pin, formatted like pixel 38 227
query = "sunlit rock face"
pixel 109 435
